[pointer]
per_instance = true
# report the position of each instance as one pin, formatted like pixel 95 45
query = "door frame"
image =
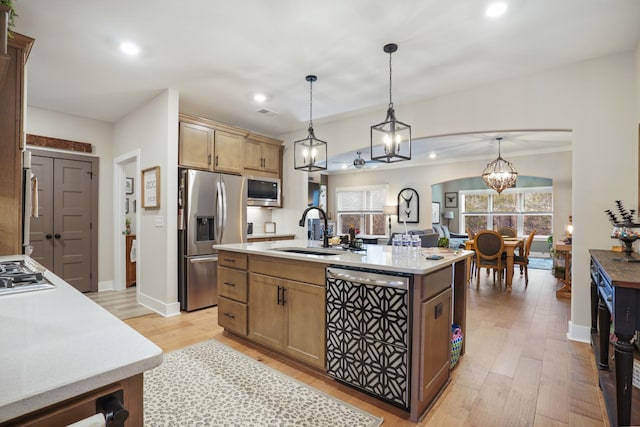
pixel 95 218
pixel 119 179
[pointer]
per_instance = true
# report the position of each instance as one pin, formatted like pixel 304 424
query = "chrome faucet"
pixel 325 234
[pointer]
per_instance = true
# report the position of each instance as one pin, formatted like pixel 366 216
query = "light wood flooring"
pixel 121 304
pixel 519 368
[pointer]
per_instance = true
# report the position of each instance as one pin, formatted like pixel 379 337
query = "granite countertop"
pixel 58 343
pixel 380 257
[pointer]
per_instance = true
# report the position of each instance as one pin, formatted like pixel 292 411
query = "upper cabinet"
pixel 208 145
pixel 262 156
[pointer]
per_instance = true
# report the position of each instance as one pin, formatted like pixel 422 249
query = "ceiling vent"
pixel 267 113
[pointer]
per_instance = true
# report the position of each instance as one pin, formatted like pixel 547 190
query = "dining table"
pixel 510 246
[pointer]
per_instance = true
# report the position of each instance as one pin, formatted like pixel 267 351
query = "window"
pixel 361 207
pixel 521 209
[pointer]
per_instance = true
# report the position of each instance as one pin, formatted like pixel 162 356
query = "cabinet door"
pixel 194 148
pixel 266 315
pixel 435 345
pixel 228 152
pixel 271 156
pixel 253 155
pixel 306 322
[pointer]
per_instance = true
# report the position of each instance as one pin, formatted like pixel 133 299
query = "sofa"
pixel 456 241
pixel 429 238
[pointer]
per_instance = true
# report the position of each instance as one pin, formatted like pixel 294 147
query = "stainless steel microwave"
pixel 262 191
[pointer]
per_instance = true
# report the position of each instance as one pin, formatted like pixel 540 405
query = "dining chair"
pixel 523 259
pixel 507 232
pixel 472 235
pixel 489 247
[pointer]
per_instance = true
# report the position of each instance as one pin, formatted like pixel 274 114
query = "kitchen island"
pixel 60 352
pixel 320 306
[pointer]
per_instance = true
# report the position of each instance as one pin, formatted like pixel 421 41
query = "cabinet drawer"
pixel 436 282
pixel 232 316
pixel 232 284
pixel 233 260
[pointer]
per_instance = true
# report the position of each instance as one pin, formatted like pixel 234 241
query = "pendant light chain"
pixel 311 103
pixel 390 81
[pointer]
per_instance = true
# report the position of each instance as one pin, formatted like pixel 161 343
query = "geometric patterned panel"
pixel 367 338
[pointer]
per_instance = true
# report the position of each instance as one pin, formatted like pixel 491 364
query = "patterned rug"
pixel 211 384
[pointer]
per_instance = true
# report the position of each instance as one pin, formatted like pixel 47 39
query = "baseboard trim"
pixel 163 309
pixel 579 333
pixel 106 285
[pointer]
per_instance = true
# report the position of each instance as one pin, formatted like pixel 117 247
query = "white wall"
pixel 99 134
pixel 153 129
pixel 596 99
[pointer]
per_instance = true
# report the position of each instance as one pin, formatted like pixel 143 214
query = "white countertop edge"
pixel 381 256
pixel 38 323
pixel 60 394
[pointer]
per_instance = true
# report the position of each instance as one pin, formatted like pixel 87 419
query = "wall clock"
pixel 408 206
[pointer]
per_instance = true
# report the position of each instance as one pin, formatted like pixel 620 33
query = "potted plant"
pixel 10 10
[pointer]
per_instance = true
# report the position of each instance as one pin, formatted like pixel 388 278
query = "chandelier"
pixel 391 139
pixel 310 154
pixel 500 173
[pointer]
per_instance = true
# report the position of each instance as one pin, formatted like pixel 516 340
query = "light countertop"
pixel 373 256
pixel 263 235
pixel 58 343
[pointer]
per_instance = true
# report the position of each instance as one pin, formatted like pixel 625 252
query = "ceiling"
pixel 218 53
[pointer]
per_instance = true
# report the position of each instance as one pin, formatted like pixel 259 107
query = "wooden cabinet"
pixel 288 316
pixel 12 110
pixel 195 147
pixel 228 152
pixel 263 156
pixel 232 292
pixel 130 266
pixel 208 145
pixel 128 391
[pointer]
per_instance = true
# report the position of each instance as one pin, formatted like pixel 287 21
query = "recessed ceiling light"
pixel 432 155
pixel 259 97
pixel 496 9
pixel 129 48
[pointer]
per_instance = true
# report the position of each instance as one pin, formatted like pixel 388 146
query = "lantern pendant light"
pixel 310 154
pixel 391 139
pixel 500 173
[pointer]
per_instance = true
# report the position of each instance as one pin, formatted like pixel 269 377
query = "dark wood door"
pixel 61 235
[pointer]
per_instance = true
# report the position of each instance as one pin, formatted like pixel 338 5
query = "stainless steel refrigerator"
pixel 211 210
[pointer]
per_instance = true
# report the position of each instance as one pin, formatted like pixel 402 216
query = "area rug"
pixel 540 263
pixel 211 384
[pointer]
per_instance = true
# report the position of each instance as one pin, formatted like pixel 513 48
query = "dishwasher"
pixel 368 331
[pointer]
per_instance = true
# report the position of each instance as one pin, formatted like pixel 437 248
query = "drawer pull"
pixel 229 283
pixel 230 315
pixel 230 260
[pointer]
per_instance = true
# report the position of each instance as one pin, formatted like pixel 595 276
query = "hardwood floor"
pixel 519 369
pixel 121 304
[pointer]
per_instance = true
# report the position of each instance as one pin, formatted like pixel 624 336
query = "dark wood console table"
pixel 615 291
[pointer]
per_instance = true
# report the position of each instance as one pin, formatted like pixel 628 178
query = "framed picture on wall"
pixel 435 212
pixel 128 185
pixel 408 206
pixel 451 200
pixel 151 188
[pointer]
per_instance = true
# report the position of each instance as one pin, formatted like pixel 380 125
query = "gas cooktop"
pixel 21 276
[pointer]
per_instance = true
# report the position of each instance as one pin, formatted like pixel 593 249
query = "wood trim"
pixel 57 143
pixel 22 42
pixel 265 139
pixel 212 124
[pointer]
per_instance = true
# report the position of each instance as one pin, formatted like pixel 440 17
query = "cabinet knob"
pixel 57 236
pixel 49 236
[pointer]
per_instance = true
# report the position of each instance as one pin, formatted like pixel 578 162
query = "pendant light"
pixel 310 154
pixel 391 139
pixel 500 173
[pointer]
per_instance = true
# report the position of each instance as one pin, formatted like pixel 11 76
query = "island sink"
pixel 310 251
